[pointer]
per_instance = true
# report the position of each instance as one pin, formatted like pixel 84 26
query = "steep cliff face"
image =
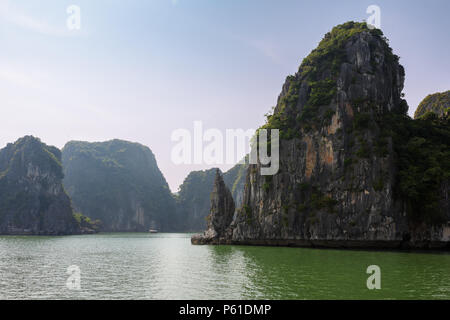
pixel 32 197
pixel 338 182
pixel 438 103
pixel 221 214
pixel 119 183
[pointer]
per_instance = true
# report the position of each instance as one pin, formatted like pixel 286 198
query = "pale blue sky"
pixel 137 70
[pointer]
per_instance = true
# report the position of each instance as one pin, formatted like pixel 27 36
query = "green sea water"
pixel 167 266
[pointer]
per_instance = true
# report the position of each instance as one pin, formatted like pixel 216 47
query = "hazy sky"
pixel 137 70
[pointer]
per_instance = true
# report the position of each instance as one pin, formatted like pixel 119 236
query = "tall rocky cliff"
pixel 119 183
pixel 32 197
pixel 355 171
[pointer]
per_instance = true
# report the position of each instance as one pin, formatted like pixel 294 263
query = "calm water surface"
pixel 167 266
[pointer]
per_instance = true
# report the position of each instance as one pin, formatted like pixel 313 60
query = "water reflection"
pixel 296 273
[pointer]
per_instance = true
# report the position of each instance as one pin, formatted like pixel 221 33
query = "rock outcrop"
pixel 221 214
pixel 118 182
pixel 32 197
pixel 345 178
pixel 193 197
pixel 437 103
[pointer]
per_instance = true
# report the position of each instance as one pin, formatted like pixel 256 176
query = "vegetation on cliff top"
pixel 31 149
pixel 32 199
pixel 320 70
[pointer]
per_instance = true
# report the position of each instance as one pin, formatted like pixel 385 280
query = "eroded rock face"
pixel 221 215
pixel 32 197
pixel 338 170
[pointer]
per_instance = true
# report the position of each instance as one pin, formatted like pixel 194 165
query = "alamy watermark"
pixel 73 21
pixel 374 280
pixel 212 146
pixel 73 282
pixel 374 20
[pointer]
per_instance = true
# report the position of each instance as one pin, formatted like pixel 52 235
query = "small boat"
pixel 153 231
